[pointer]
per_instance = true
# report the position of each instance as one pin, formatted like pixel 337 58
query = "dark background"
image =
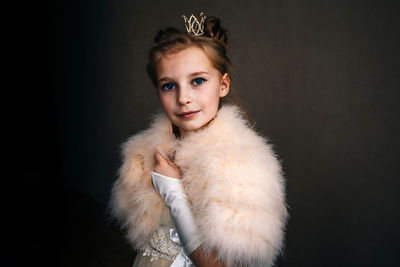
pixel 320 78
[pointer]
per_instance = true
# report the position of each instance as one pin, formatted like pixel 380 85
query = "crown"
pixel 195 25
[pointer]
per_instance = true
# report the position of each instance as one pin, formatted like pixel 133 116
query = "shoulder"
pixel 229 141
pixel 231 148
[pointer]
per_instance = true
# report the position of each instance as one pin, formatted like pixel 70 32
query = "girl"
pixel 199 186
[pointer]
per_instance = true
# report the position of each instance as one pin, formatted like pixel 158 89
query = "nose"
pixel 184 96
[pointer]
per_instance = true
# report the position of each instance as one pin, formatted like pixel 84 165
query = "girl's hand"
pixel 165 166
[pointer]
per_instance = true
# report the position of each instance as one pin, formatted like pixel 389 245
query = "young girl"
pixel 199 186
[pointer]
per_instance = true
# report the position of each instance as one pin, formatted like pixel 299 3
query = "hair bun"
pixel 213 29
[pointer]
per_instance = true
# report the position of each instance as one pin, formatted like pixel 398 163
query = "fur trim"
pixel 232 179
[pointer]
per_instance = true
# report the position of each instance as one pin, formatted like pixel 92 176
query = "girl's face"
pixel 189 88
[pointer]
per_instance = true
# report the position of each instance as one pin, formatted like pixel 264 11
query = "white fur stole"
pixel 231 177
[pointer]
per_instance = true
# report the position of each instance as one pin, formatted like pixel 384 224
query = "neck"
pixel 182 133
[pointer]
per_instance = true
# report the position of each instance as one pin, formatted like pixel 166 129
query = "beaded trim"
pixel 161 246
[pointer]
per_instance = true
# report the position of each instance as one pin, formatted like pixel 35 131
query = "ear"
pixel 225 83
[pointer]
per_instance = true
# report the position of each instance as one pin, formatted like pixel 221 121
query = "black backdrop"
pixel 320 78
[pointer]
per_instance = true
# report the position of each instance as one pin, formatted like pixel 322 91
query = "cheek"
pixel 167 103
pixel 211 99
pixel 213 95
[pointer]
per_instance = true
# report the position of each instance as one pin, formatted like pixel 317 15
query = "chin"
pixel 187 128
pixel 193 124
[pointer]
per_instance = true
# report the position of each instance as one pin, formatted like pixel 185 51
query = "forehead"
pixel 184 62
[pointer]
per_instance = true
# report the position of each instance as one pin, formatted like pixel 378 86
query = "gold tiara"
pixel 195 25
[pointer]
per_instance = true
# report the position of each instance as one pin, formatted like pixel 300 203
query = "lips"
pixel 189 114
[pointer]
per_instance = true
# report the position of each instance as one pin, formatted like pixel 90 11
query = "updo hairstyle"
pixel 213 42
pixel 170 41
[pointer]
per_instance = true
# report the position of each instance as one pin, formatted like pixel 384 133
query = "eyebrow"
pixel 198 73
pixel 191 75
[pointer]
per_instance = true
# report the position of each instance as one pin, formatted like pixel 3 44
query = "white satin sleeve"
pixel 174 196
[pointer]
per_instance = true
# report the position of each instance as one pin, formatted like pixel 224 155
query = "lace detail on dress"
pixel 161 246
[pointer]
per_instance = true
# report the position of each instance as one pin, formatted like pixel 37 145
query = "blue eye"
pixel 198 81
pixel 168 86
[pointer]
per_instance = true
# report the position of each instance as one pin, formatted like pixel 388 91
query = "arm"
pixel 174 196
pixel 239 206
pixel 133 195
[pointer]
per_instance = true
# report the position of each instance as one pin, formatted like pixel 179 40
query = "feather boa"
pixel 232 179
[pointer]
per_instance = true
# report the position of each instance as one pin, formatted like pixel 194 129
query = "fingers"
pixel 165 166
pixel 159 158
